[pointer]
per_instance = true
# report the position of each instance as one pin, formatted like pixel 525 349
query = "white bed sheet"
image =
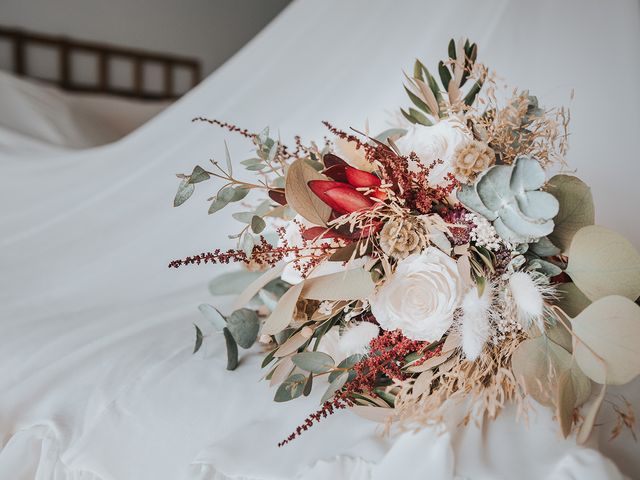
pixel 35 117
pixel 97 380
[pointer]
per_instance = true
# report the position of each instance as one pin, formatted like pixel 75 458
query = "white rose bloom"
pixel 293 236
pixel 421 297
pixel 438 142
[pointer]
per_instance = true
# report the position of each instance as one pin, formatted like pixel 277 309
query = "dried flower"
pixel 403 236
pixel 472 158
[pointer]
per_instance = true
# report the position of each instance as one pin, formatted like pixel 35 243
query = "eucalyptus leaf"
pixel 213 315
pixel 232 283
pixel 544 248
pixel 244 217
pixel 248 243
pixel 308 385
pixel 603 262
pixel 538 363
pixel 217 205
pixel 609 332
pixel 314 362
pixel 257 224
pixel 347 363
pixel 571 299
pixel 291 388
pixel 244 325
pixel 227 158
pixel 334 387
pixel 185 190
pixel 198 175
pixel 199 338
pixel 576 208
pixel 232 350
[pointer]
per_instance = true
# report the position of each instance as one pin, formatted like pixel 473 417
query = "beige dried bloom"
pixel 472 158
pixel 402 236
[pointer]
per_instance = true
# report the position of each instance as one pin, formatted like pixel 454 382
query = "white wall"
pixel 211 30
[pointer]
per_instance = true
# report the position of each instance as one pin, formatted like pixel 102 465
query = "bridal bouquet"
pixel 435 261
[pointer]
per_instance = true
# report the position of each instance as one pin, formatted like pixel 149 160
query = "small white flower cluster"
pixel 351 312
pixel 506 328
pixel 483 234
pixel 325 307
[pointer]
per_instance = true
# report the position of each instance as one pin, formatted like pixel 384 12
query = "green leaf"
pixel 470 97
pixel 544 248
pixel 213 315
pixel 199 338
pixel 609 328
pixel 308 385
pixel 417 101
pixel 232 350
pixel 185 190
pixel 232 283
pixel 408 117
pixel 227 157
pixel 256 167
pixel 247 243
pixel 571 299
pixel 576 208
pixel 244 217
pixel 603 262
pixel 269 358
pixel 420 117
pixel 257 224
pixel 291 388
pixel 452 49
pixel 244 325
pixel 348 362
pixel 198 175
pixel 335 386
pixel 445 75
pixel 217 205
pixel 251 161
pixel 314 362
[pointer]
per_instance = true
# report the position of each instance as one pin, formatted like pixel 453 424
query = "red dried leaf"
pixel 337 173
pixel 331 160
pixel 277 196
pixel 360 178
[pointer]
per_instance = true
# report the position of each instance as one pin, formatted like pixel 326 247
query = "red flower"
pixel 341 197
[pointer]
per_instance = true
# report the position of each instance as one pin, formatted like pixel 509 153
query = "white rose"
pixel 420 297
pixel 293 236
pixel 437 142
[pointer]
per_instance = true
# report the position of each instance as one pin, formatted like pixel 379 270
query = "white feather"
pixel 475 321
pixel 356 338
pixel 528 298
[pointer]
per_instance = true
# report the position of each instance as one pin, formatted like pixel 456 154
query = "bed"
pixel 64 93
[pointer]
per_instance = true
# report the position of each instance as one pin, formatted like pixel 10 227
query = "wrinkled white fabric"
pixel 34 114
pixel 97 379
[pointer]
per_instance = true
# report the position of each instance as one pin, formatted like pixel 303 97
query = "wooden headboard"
pixel 104 55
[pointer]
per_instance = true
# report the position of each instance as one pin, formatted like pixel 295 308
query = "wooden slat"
pixel 18 55
pixel 66 47
pixel 65 65
pixel 168 78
